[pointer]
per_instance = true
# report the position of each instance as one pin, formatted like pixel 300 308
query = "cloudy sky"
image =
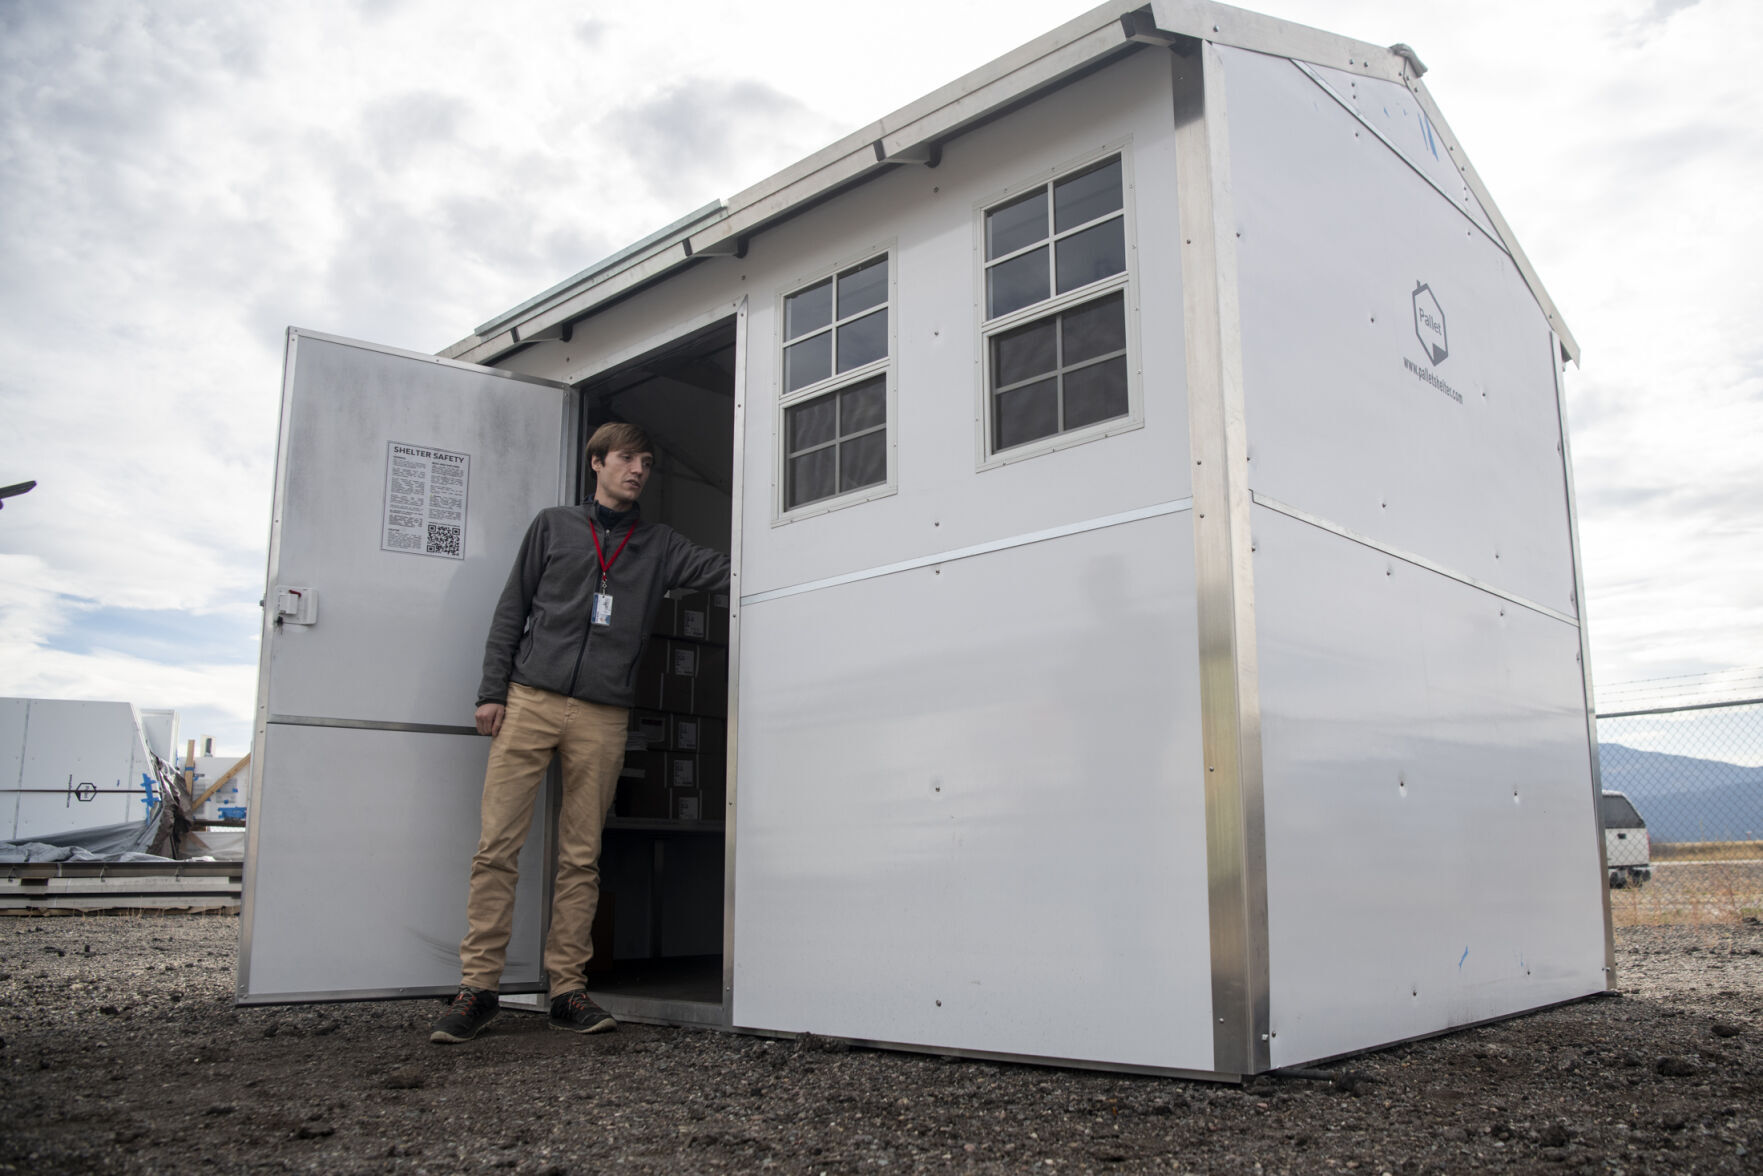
pixel 180 180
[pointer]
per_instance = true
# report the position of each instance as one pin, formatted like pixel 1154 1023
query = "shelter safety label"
pixel 425 500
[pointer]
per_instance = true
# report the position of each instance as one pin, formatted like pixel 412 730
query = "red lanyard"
pixel 606 564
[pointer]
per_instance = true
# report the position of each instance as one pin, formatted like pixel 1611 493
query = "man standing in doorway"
pixel 559 673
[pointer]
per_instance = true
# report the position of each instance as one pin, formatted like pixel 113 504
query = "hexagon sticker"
pixel 1429 323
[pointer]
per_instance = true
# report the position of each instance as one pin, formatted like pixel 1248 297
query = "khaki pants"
pixel 590 740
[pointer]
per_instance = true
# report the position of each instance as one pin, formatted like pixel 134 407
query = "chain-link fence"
pixel 1685 841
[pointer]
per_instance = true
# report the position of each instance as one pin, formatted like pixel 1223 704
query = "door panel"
pixel 404 485
pixel 406 629
pixel 361 859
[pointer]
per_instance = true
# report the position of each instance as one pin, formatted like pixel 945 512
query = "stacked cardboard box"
pixel 676 757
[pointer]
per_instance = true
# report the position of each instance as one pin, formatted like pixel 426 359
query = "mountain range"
pixel 1683 798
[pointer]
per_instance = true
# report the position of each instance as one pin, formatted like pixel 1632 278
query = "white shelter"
pixel 74 764
pixel 1155 640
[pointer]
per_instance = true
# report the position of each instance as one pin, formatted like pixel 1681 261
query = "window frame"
pixel 988 457
pixel 836 382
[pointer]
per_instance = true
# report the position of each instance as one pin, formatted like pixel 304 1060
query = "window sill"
pixel 1058 441
pixel 823 506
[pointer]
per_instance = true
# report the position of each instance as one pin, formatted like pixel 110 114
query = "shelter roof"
pixel 915 134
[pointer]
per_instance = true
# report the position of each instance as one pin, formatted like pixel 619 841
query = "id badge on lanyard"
pixel 602 614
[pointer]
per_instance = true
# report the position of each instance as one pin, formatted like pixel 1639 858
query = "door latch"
pixel 296 606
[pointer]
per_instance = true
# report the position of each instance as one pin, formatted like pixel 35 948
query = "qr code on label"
pixel 443 540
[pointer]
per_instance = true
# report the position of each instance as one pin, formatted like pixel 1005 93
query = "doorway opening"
pixel 659 933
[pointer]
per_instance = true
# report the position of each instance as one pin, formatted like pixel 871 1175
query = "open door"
pixel 663 865
pixel 404 484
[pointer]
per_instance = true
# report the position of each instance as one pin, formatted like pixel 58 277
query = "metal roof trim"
pixel 810 178
pixel 1569 345
pixel 924 122
pixel 1253 31
pixel 585 278
pixel 943 113
pixel 1241 29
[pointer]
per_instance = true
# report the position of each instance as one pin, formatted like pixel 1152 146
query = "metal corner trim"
pixel 731 813
pixel 1236 844
pixel 1585 665
pixel 265 653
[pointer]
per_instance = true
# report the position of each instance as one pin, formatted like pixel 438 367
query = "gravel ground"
pixel 122 1053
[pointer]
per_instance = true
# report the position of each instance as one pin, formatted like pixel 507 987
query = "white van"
pixel 1628 847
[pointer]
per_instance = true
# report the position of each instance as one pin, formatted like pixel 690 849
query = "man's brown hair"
pixel 617 435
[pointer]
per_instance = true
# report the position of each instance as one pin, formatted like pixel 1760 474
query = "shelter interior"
pixel 659 932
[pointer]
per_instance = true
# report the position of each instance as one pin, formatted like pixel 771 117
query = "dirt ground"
pixel 122 1052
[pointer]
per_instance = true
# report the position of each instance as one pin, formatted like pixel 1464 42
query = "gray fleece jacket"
pixel 540 634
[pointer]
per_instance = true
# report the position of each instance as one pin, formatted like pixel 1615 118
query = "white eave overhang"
pixel 916 133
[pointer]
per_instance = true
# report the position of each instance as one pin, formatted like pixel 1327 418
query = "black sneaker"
pixel 470 1011
pixel 576 1012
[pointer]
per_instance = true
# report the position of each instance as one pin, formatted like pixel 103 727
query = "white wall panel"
pixel 931 215
pixel 1337 232
pixel 1396 114
pixel 14 716
pixel 66 743
pixel 971 805
pixel 927 216
pixel 1432 853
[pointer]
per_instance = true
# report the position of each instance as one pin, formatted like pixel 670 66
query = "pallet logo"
pixel 1429 328
pixel 1429 323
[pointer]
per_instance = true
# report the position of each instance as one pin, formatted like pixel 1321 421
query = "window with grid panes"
pixel 1059 250
pixel 835 402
